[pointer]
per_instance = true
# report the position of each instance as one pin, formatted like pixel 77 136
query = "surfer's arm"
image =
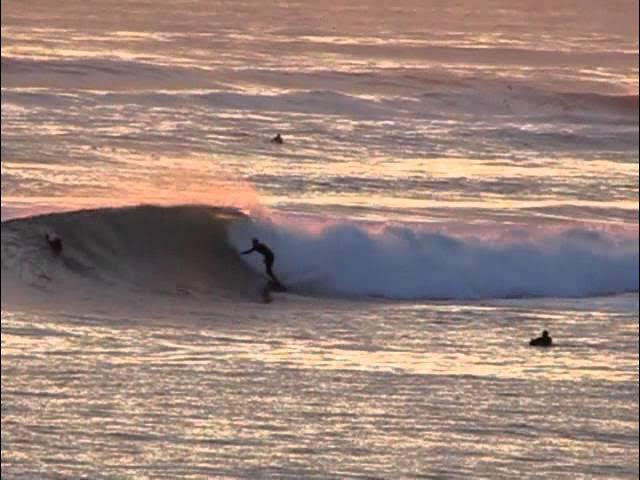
pixel 248 251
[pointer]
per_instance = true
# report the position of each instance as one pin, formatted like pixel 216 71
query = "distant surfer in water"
pixel 55 243
pixel 544 341
pixel 277 139
pixel 268 255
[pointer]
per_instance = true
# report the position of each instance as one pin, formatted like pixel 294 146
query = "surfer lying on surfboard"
pixel 268 255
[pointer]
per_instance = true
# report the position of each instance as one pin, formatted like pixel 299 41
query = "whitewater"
pixel 454 178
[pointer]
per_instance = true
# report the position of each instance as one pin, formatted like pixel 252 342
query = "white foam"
pixel 406 263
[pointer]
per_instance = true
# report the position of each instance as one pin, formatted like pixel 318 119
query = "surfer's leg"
pixel 269 264
pixel 266 294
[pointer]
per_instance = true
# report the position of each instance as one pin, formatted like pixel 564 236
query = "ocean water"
pixel 455 177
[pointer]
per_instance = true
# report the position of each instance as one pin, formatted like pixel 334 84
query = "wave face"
pixel 177 250
pixel 187 250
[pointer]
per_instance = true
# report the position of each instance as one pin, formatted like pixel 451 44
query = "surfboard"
pixel 270 287
pixel 276 286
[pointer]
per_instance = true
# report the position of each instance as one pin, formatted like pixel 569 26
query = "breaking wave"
pixel 400 262
pixel 192 250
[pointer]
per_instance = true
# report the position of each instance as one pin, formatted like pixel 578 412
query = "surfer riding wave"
pixel 269 257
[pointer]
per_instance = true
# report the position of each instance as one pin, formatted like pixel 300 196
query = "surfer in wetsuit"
pixel 55 243
pixel 543 341
pixel 268 255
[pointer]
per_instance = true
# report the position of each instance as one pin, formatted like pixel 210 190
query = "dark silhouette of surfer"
pixel 544 341
pixel 268 255
pixel 55 243
pixel 277 139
